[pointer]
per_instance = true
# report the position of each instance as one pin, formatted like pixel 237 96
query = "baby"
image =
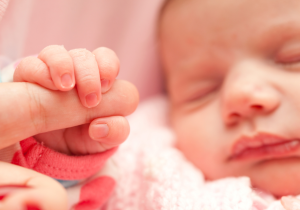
pixel 232 73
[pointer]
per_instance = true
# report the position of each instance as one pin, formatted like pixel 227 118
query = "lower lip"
pixel 269 151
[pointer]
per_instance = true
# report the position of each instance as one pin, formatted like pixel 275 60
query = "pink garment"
pixel 154 175
pixel 125 26
pixel 88 186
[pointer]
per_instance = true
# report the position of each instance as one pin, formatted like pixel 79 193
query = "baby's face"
pixel 233 77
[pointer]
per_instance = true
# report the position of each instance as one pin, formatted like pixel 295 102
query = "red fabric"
pixel 30 207
pixel 57 165
pixel 95 193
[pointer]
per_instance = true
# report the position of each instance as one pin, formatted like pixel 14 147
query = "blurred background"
pixel 126 26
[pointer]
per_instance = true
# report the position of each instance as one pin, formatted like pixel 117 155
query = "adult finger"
pixel 38 110
pixel 98 136
pixel 34 70
pixel 35 190
pixel 60 65
pixel 87 77
pixel 109 65
pixel 109 131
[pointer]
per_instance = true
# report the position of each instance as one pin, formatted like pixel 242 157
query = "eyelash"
pixel 203 94
pixel 290 64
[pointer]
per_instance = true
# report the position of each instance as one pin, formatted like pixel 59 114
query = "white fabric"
pixel 154 175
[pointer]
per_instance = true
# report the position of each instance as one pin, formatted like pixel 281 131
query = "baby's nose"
pixel 247 97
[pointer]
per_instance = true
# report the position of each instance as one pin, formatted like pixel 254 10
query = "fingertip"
pixel 132 96
pixel 92 100
pixel 60 65
pixel 110 131
pixel 67 82
pixel 109 66
pixel 105 85
pixel 98 131
pixel 87 77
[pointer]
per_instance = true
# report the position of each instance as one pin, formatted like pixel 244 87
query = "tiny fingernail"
pixel 91 100
pixel 104 85
pixel 99 131
pixel 66 81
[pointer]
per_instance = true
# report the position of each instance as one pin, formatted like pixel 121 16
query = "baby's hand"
pixel 57 69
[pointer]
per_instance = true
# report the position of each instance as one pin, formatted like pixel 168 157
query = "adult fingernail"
pixel 66 81
pixel 91 100
pixel 104 85
pixel 99 131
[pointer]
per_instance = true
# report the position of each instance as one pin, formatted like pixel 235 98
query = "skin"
pixel 60 118
pixel 91 72
pixel 233 69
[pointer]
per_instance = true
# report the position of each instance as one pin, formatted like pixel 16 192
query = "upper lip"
pixel 259 143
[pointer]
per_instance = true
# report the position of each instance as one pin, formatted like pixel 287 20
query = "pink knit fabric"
pixel 153 175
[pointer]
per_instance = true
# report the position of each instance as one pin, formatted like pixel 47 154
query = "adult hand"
pixel 28 109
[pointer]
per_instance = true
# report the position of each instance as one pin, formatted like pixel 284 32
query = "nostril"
pixel 233 118
pixel 257 107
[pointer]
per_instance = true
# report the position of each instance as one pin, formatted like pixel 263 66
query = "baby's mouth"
pixel 263 146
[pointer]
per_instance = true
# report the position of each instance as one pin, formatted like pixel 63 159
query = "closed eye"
pixel 202 93
pixel 289 58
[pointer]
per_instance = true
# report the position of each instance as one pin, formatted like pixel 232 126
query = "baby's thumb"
pixel 290 203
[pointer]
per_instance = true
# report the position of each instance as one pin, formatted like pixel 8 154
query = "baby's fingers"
pixel 290 203
pixel 87 77
pixel 60 65
pixel 31 189
pixel 33 70
pixel 109 66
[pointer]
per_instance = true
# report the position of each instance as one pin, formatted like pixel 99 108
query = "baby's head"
pixel 233 77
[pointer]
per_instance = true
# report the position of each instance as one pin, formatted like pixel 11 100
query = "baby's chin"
pixel 279 177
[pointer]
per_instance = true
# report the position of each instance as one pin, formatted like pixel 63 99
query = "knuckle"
pixel 49 50
pixel 62 62
pixel 108 68
pixel 108 62
pixel 81 54
pixel 86 79
pixel 56 56
pixel 28 68
pixel 37 69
